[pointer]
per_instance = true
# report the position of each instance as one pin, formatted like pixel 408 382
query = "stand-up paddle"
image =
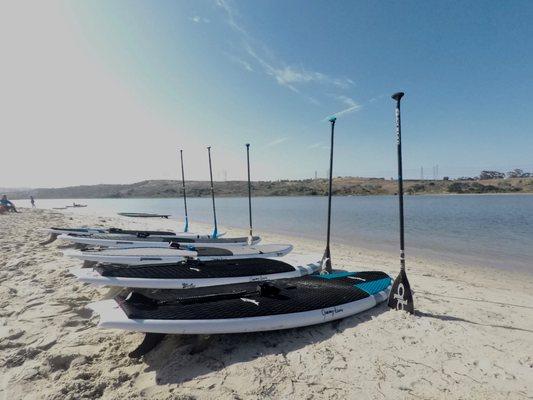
pixel 401 297
pixel 326 259
pixel 250 233
pixel 186 228
pixel 215 230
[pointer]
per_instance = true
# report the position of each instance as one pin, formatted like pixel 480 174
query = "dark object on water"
pixel 143 215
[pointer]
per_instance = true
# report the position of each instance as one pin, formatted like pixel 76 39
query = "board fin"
pixel 89 264
pixel 401 296
pixel 150 341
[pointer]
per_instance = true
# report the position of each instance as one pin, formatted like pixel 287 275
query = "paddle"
pixel 250 234
pixel 326 259
pixel 215 230
pixel 401 297
pixel 186 229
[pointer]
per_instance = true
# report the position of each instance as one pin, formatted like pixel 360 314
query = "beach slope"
pixel 472 336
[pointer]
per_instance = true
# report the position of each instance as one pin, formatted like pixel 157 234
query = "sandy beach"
pixel 472 337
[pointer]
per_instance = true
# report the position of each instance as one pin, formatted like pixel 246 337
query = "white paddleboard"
pixel 191 275
pixel 142 256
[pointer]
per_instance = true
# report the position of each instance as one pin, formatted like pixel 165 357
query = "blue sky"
pixel 141 79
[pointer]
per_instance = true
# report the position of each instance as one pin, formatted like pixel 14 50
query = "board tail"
pixel 401 296
pixel 52 238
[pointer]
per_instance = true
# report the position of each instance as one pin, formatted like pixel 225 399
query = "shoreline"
pixel 472 336
pixel 285 196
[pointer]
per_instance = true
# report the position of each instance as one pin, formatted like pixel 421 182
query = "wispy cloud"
pixel 290 76
pixel 231 16
pixel 197 19
pixel 238 60
pixel 376 98
pixel 315 145
pixel 276 142
pixel 350 106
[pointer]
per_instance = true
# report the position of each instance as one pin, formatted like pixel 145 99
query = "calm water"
pixel 494 230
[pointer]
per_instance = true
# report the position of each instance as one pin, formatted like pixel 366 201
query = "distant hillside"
pixel 342 186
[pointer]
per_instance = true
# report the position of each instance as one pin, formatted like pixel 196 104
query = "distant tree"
pixel 518 173
pixel 466 178
pixel 491 175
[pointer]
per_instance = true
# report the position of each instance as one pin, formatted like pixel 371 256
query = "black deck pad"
pixel 73 230
pixel 194 269
pixel 307 293
pixel 136 232
pixel 212 251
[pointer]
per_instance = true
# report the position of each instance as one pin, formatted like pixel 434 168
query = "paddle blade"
pixel 325 263
pixel 401 296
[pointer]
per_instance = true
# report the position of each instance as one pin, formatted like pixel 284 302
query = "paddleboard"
pixel 142 256
pixel 110 231
pixel 194 273
pixel 127 241
pixel 143 215
pixel 245 307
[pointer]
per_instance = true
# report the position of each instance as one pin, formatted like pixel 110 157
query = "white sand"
pixel 472 337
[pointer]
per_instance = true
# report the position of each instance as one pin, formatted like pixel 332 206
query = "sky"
pixel 109 91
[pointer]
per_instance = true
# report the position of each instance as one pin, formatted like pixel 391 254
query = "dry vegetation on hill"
pixel 342 186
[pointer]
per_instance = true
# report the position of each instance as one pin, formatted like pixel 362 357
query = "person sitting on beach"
pixel 7 205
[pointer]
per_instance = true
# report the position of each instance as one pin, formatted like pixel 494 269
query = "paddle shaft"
pixel 327 253
pixel 249 187
pixel 184 194
pixel 400 180
pixel 215 232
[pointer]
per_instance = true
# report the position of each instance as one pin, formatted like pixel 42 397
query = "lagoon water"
pixel 491 230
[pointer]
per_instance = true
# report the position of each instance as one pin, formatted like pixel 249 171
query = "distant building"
pixel 446 178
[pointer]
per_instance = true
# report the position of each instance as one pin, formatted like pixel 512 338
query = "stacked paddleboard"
pixel 245 307
pixel 204 284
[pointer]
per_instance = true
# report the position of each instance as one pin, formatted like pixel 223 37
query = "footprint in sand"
pixel 19 357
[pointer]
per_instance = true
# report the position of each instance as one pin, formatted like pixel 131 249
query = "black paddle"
pixel 401 297
pixel 215 230
pixel 326 259
pixel 186 229
pixel 250 234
